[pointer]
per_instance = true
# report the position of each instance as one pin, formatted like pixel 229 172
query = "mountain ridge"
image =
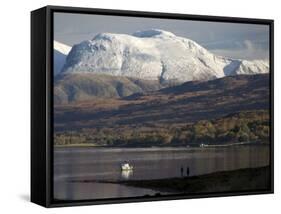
pixel 154 55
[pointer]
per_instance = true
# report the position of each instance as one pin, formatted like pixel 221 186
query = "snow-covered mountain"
pixel 154 55
pixel 60 53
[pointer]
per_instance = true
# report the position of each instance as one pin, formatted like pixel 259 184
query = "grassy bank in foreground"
pixel 237 180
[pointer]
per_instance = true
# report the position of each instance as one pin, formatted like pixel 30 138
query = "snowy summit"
pixel 154 55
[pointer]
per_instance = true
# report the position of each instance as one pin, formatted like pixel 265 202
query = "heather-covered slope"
pixel 188 102
pixel 73 87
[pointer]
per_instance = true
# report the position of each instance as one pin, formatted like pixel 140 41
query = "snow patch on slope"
pixel 155 55
pixel 60 53
pixel 62 48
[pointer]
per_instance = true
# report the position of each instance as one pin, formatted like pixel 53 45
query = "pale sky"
pixel 243 41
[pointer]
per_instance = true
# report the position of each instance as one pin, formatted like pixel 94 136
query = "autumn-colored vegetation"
pixel 226 110
pixel 245 126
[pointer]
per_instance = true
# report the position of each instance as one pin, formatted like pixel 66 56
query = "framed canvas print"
pixel 138 106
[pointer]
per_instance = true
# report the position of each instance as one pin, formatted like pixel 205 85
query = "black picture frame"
pixel 42 102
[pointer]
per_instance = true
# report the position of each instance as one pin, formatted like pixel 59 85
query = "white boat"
pixel 126 167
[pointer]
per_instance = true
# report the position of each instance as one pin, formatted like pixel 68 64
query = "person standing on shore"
pixel 181 171
pixel 187 171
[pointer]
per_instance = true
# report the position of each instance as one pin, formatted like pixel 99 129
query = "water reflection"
pixel 104 164
pixel 126 174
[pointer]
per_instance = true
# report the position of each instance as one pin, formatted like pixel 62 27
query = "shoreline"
pixel 164 147
pixel 247 179
pixel 236 180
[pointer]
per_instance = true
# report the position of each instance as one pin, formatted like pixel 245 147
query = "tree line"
pixel 248 126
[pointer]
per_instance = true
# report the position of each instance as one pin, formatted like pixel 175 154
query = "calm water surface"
pixel 101 164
